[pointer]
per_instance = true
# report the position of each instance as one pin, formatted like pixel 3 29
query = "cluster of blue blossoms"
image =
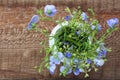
pixel 57 59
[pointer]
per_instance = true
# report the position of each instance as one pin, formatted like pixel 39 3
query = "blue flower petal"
pixel 61 56
pixel 88 61
pixel 112 22
pixel 62 68
pixel 68 54
pixel 51 59
pixel 75 60
pixel 99 62
pixel 99 27
pixel 50 10
pixel 78 33
pixel 103 52
pixel 69 71
pixel 76 72
pixel 100 55
pixel 68 68
pixel 29 26
pixel 34 20
pixel 81 70
pixel 93 27
pixel 54 60
pixel 67 18
pixel 84 16
pixel 57 61
pixel 52 68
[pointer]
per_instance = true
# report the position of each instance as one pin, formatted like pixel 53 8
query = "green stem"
pixel 107 34
pixel 70 40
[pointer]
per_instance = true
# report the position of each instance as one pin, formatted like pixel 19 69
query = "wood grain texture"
pixel 19 48
pixel 98 5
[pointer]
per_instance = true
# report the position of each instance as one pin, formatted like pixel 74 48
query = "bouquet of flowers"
pixel 73 44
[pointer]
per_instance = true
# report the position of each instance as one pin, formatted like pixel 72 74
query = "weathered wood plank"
pixel 116 5
pixel 98 5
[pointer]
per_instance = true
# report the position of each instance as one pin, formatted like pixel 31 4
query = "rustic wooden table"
pixel 19 49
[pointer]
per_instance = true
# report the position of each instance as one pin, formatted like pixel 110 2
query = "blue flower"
pixel 99 28
pixel 103 52
pixel 54 60
pixel 62 68
pixel 84 16
pixel 34 20
pixel 81 70
pixel 65 43
pixel 99 62
pixel 61 56
pixel 67 18
pixel 50 10
pixel 52 68
pixel 67 68
pixel 77 33
pixel 76 60
pixel 93 27
pixel 76 71
pixel 101 46
pixel 112 22
pixel 88 61
pixel 68 54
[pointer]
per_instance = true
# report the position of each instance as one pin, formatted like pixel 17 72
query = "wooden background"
pixel 19 48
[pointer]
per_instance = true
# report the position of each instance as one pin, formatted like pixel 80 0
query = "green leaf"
pixel 79 7
pixel 87 65
pixel 86 75
pixel 109 49
pixel 46 59
pixel 96 69
pixel 39 70
pixel 60 74
pixel 108 30
pixel 91 11
pixel 105 59
pixel 41 51
pixel 42 43
pixel 67 9
pixel 40 12
pixel 35 67
pixel 47 65
pixel 95 22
